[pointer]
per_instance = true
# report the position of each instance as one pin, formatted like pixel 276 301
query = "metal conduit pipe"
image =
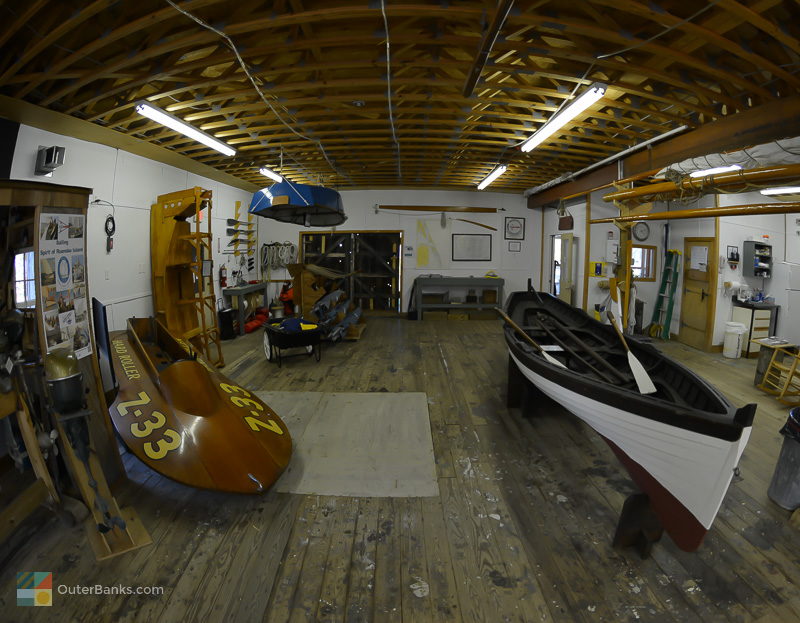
pixel 740 210
pixel 762 175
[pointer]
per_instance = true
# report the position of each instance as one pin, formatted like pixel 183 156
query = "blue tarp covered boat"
pixel 301 204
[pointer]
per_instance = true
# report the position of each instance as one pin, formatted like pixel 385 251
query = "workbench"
pixel 421 284
pixel 239 292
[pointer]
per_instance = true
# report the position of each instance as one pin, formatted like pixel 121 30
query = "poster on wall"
pixel 427 249
pixel 62 277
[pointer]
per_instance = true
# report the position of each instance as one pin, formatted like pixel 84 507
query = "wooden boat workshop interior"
pixel 352 311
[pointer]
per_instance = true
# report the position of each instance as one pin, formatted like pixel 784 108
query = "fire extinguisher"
pixel 223 276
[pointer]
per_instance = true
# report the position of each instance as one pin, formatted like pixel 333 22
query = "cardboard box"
pixel 489 296
pixel 434 315
pixel 483 315
pixel 457 315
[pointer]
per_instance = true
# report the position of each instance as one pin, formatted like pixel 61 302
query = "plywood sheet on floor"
pixel 357 444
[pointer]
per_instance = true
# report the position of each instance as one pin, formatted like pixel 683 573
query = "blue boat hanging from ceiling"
pixel 301 204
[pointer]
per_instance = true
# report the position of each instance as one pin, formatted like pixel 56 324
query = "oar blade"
pixel 643 380
pixel 550 359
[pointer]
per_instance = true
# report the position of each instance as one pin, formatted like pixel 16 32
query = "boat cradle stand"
pixel 638 525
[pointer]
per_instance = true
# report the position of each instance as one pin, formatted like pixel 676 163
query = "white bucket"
pixel 732 347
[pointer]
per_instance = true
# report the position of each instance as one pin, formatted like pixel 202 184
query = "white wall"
pixel 734 231
pixel 121 279
pixel 132 183
pixel 359 206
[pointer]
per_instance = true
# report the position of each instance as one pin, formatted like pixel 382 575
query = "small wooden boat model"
pixel 680 444
pixel 188 422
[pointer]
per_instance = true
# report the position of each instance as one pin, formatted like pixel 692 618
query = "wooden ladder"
pixel 782 378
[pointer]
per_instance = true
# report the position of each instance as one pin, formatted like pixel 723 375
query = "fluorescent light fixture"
pixel 715 170
pixel 784 190
pixel 270 174
pixel 497 172
pixel 586 99
pixel 164 118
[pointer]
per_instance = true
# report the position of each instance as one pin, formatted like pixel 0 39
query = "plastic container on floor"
pixel 734 336
pixel 784 489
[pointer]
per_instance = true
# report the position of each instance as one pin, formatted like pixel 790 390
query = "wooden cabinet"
pixel 758 322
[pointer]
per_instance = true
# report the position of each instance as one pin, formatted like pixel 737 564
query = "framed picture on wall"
pixel 472 247
pixel 515 228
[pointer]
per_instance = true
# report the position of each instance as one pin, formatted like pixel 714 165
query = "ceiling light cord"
pixel 389 87
pixel 243 65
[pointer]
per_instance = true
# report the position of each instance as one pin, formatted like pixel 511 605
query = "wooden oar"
pixel 643 380
pixel 547 357
pixel 585 347
pixel 571 351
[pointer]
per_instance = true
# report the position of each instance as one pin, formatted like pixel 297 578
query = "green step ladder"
pixel 662 314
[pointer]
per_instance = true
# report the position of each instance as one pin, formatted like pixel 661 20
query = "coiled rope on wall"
pixel 277 256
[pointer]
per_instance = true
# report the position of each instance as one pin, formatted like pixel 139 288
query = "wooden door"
pixel 699 283
pixel 567 268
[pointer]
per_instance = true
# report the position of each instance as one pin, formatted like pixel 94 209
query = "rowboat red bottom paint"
pixel 680 444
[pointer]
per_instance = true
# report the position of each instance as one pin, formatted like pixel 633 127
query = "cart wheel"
pixel 318 351
pixel 309 350
pixel 267 347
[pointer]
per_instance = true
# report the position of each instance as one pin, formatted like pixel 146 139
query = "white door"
pixel 567 255
pixel 555 264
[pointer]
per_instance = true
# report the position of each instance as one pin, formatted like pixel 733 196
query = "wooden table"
pixel 240 292
pixel 765 356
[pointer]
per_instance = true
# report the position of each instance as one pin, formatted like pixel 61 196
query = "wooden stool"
pixel 782 377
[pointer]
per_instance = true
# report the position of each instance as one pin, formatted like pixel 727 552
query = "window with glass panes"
pixel 24 280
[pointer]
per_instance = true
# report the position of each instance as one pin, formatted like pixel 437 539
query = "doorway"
pixel 698 302
pixel 562 266
pixel 555 265
pixel 371 261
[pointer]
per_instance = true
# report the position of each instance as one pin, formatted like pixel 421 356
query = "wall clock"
pixel 515 228
pixel 641 231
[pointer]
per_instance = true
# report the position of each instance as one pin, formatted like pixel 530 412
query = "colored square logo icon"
pixel 34 588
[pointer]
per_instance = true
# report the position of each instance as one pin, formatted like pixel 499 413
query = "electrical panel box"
pixel 756 259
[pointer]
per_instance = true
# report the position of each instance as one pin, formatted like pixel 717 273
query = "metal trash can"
pixel 784 489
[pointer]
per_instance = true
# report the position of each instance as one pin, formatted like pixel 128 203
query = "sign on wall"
pixel 62 280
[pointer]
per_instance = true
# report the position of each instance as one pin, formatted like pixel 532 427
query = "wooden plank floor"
pixel 521 530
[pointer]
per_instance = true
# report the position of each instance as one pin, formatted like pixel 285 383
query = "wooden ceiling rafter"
pixel 752 15
pixel 343 41
pixel 642 93
pixel 322 63
pixel 699 32
pixel 11 27
pixel 144 23
pixel 75 20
